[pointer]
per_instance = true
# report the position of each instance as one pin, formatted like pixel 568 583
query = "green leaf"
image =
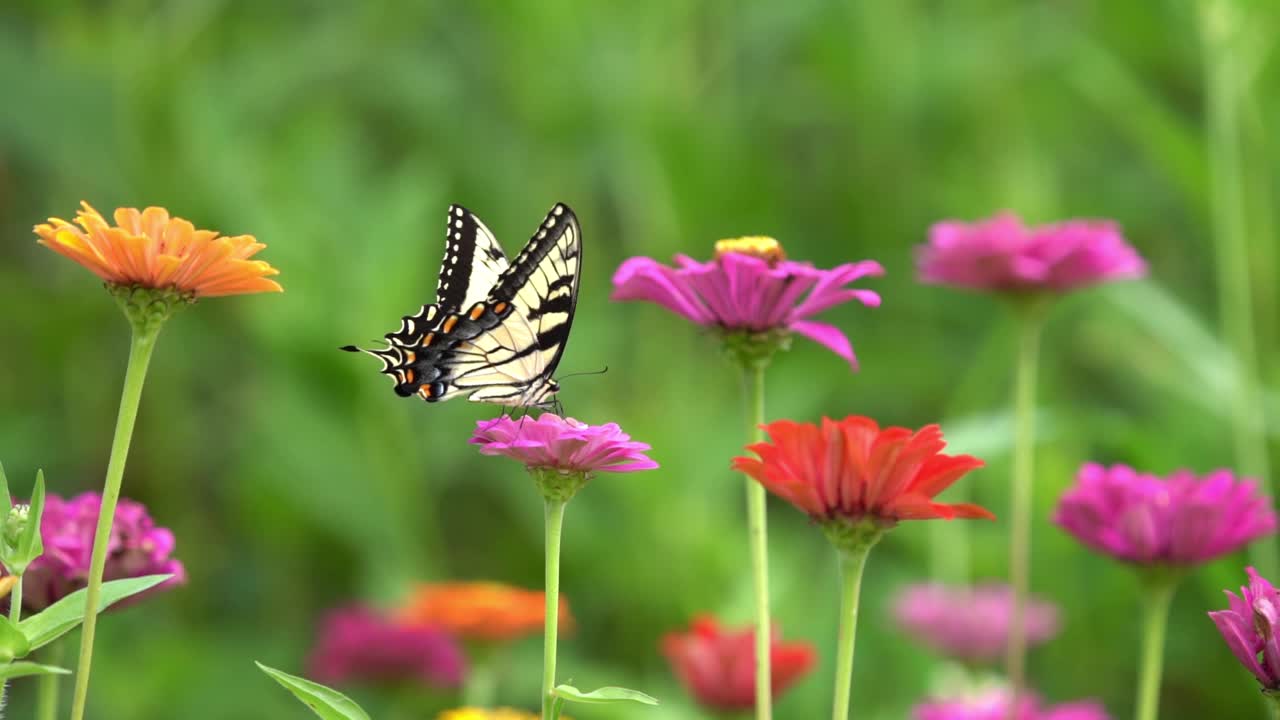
pixel 63 616
pixel 25 669
pixel 603 696
pixel 324 702
pixel 31 545
pixel 13 644
pixel 4 491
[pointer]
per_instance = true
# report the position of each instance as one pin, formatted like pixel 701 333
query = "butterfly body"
pixel 497 330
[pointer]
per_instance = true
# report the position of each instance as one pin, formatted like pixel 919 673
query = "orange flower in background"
pixel 486 611
pixel 154 250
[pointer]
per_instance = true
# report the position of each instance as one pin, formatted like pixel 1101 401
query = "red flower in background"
pixel 852 469
pixel 718 665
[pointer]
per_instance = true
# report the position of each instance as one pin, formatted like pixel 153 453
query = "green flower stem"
pixel 1031 320
pixel 852 562
pixel 1158 596
pixel 554 523
pixel 145 332
pixel 1273 703
pixel 15 600
pixel 1221 23
pixel 47 697
pixel 482 677
pixel 758 530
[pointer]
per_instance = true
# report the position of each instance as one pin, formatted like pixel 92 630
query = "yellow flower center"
pixel 760 246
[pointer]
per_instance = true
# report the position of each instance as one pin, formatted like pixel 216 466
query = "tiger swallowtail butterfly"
pixel 498 328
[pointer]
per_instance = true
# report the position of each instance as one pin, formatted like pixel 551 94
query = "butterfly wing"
pixel 473 262
pixel 511 361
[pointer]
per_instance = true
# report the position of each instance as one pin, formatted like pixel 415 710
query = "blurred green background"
pixel 337 133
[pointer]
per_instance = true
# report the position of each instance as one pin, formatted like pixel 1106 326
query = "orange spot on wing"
pixel 500 308
pixel 410 357
pixel 477 311
pixel 449 324
pixel 430 338
pixel 408 375
pixel 425 391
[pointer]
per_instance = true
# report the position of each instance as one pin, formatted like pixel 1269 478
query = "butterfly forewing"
pixel 512 363
pixel 473 261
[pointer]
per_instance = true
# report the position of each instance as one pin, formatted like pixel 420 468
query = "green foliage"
pixel 13 643
pixel 66 614
pixel 603 696
pixel 28 669
pixel 20 540
pixel 326 703
pixel 338 133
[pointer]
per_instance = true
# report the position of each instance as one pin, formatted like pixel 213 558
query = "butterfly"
pixel 498 328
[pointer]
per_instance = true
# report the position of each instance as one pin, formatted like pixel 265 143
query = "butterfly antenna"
pixel 601 371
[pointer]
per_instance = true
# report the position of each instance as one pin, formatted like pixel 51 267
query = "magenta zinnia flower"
pixel 137 547
pixel 1249 627
pixel 1180 520
pixel 994 705
pixel 970 624
pixel 561 444
pixel 1003 255
pixel 749 287
pixel 358 644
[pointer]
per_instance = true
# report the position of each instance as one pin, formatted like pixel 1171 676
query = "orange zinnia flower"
pixel 154 250
pixel 485 611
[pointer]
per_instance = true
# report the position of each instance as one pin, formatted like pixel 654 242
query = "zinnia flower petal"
pixel 1002 255
pixel 1179 520
pixel 137 547
pixel 852 469
pixel 744 289
pixel 482 611
pixel 150 249
pixel 970 624
pixel 562 444
pixel 1249 629
pixel 357 644
pixel 717 666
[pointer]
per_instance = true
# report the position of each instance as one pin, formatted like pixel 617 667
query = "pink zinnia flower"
pixel 1249 627
pixel 561 444
pixel 749 287
pixel 1179 520
pixel 137 547
pixel 1003 255
pixel 358 644
pixel 718 666
pixel 970 624
pixel 994 705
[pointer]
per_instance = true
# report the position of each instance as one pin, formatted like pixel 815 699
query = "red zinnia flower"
pixel 718 666
pixel 852 469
